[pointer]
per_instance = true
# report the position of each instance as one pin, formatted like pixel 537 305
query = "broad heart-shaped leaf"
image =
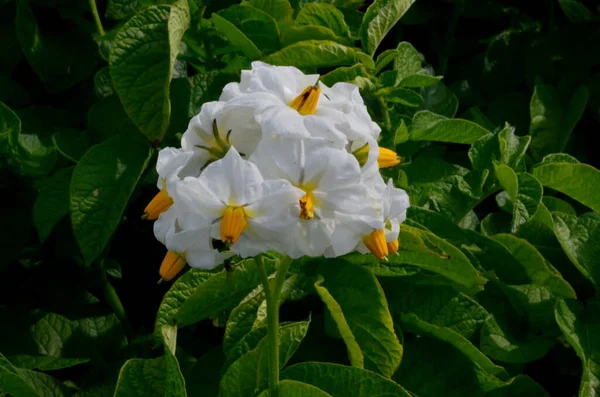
pixel 255 24
pixel 250 372
pixel 221 292
pixel 426 251
pixel 280 10
pixel 573 179
pixel 24 383
pixel 454 374
pixel 553 119
pixel 236 37
pixel 52 202
pixel 60 59
pixel 142 377
pixel 427 126
pixel 358 306
pixel 340 380
pixel 381 16
pixel 503 147
pixel 101 185
pixel 321 14
pixel 524 191
pixel 579 239
pixel 313 54
pixel 179 292
pixel 292 388
pixel 581 327
pixel 438 305
pixel 142 58
pixel 408 61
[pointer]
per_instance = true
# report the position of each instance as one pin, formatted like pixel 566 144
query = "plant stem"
pixel 115 303
pixel 272 290
pixel 96 17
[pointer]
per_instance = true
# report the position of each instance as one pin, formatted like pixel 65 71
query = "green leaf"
pixel 179 292
pixel 327 15
pixel 24 383
pixel 440 99
pixel 554 204
pixel 236 37
pixel 103 86
pixel 503 147
pixel 427 126
pixel 408 61
pixel 60 59
pixel 553 119
pixel 291 388
pixel 70 143
pixel 10 127
pixel 250 372
pixel 101 185
pixel 575 11
pixel 339 380
pixel 578 237
pixel 576 180
pixel 120 9
pixel 581 328
pixel 419 81
pixel 255 24
pixel 291 34
pixel 106 119
pixel 143 378
pixel 280 10
pixel 313 54
pixel 385 58
pixel 241 319
pixel 402 96
pixel 219 293
pixel 174 382
pixel 345 74
pixel 381 16
pixel 351 291
pixel 52 202
pixel 142 59
pixel 524 191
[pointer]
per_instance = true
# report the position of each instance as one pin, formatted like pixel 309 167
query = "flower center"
pixel 159 204
pixel 306 102
pixel 307 206
pixel 171 265
pixel 220 146
pixel 376 243
pixel 233 224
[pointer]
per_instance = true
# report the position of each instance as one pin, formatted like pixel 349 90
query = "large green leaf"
pixel 71 143
pixel 503 147
pixel 280 10
pixel 313 54
pixel 553 119
pixel 524 191
pixel 174 382
pixel 142 377
pixel 581 328
pixel 573 179
pixel 250 372
pixel 427 126
pixel 179 292
pixel 101 185
pixel 327 15
pixel 52 202
pixel 142 59
pixel 292 388
pixel 24 383
pixel 339 380
pixel 236 37
pixel 119 9
pixel 241 319
pixel 221 292
pixel 381 16
pixel 579 237
pixel 255 24
pixel 408 61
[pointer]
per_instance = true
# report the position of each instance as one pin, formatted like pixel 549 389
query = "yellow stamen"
pixel 387 158
pixel 393 247
pixel 375 242
pixel 159 204
pixel 306 102
pixel 307 206
pixel 171 265
pixel 233 224
pixel 362 154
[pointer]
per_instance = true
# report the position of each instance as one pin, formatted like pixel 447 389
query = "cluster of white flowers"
pixel 280 162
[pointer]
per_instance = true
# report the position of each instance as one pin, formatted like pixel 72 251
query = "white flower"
pixel 246 212
pixel 331 181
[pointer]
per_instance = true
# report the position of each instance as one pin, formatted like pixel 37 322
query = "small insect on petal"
pixel 306 102
pixel 376 243
pixel 171 265
pixel 387 158
pixel 233 224
pixel 307 206
pixel 159 204
pixel 393 247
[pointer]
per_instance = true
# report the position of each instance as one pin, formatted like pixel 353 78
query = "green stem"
pixel 115 303
pixel 272 290
pixel 96 17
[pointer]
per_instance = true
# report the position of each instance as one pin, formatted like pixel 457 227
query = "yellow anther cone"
pixel 307 206
pixel 159 204
pixel 306 102
pixel 387 158
pixel 376 243
pixel 393 247
pixel 233 224
pixel 171 265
